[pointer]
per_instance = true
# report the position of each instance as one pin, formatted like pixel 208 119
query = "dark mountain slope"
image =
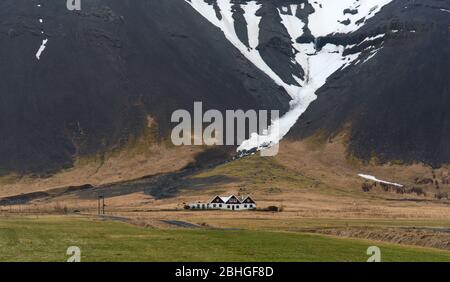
pixel 397 103
pixel 104 70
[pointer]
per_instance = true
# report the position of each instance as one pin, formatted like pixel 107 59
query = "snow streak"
pixel 338 16
pixel 44 41
pixel 41 49
pixel 373 178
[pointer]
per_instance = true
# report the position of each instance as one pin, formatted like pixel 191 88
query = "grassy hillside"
pixel 272 177
pixel 47 239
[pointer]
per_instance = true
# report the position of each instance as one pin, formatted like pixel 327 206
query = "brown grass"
pixel 334 167
pixel 317 186
pixel 119 166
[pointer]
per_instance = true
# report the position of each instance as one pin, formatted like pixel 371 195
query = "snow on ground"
pixel 329 15
pixel 381 35
pixel 317 64
pixel 373 178
pixel 293 24
pixel 41 49
pixel 44 41
pixel 226 24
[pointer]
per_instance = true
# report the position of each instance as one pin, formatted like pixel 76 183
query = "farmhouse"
pixel 225 203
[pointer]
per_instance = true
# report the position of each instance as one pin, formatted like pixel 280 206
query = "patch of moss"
pixel 258 172
pixel 9 178
pixel 140 144
pixel 397 162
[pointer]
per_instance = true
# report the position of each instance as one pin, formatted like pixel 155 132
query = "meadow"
pixel 47 239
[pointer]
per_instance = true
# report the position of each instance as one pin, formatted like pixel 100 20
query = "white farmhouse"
pixel 225 203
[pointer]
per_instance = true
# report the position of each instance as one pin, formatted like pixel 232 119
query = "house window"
pixel 251 205
pixel 245 206
pixel 214 205
pixel 220 205
pixel 228 206
pixel 203 206
pixel 198 205
pixel 237 206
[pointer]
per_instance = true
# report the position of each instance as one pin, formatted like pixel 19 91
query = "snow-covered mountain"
pixel 394 107
pixel 307 45
pixel 298 44
pixel 82 83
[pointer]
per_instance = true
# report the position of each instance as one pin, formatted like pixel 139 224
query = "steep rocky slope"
pixel 396 105
pixel 378 69
pixel 82 83
pixel 103 72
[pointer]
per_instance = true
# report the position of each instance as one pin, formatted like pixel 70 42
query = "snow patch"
pixel 318 65
pixel 373 178
pixel 226 24
pixel 372 54
pixel 41 49
pixel 293 24
pixel 329 16
pixel 372 38
pixel 44 41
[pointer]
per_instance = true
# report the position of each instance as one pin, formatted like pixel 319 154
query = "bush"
pixel 441 195
pixel 367 187
pixel 273 209
pixel 418 191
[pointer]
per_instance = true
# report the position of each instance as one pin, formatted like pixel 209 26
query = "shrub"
pixel 366 187
pixel 273 209
pixel 441 195
pixel 418 191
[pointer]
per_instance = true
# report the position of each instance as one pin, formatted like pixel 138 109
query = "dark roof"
pixel 217 199
pixel 233 200
pixel 248 200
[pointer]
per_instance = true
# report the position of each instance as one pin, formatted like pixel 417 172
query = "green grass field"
pixel 47 239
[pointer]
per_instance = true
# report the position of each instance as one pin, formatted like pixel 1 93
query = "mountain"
pixel 105 71
pixel 80 83
pixel 395 106
pixel 376 69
